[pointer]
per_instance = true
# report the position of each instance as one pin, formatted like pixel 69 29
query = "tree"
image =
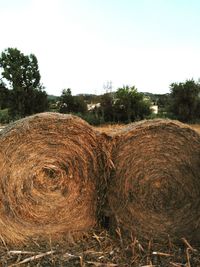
pixel 130 104
pixel 4 96
pixel 69 103
pixel 185 100
pixel 22 74
pixel 40 97
pixel 79 105
pixel 66 101
pixel 107 108
pixel 19 70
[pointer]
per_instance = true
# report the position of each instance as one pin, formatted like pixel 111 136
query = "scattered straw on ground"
pixel 155 188
pixel 50 172
pixel 99 249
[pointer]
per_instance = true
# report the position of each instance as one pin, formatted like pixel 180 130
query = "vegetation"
pixel 162 101
pixel 4 116
pixel 4 96
pixel 185 101
pixel 131 105
pixel 22 94
pixel 125 105
pixel 69 103
pixel 26 95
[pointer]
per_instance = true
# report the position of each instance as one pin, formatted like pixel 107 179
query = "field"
pixel 102 248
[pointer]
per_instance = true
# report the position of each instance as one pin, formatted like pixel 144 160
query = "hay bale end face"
pixel 49 171
pixel 155 188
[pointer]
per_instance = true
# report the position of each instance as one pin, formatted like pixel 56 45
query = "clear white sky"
pixel 83 43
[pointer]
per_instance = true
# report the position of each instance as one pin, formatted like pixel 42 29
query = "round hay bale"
pixel 155 187
pixel 50 171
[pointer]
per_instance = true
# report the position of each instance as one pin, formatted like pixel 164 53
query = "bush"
pixel 4 116
pixel 161 115
pixel 91 118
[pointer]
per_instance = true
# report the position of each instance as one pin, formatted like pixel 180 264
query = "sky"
pixel 82 44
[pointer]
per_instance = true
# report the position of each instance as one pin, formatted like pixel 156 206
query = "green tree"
pixel 107 108
pixel 41 98
pixel 79 105
pixel 185 100
pixel 130 105
pixel 72 104
pixel 4 96
pixel 22 74
pixel 66 101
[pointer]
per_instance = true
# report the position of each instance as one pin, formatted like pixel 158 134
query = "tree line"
pixel 22 94
pixel 125 105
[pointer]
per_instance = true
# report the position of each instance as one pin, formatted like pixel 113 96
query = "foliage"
pixel 91 118
pixel 185 100
pixel 72 104
pixel 21 72
pixel 53 103
pixel 4 116
pixel 162 100
pixel 130 105
pixel 66 101
pixel 79 104
pixel 91 98
pixel 107 107
pixel 4 96
pixel 41 99
pixel 123 106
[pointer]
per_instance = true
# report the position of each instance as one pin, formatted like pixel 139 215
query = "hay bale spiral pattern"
pixel 155 188
pixel 49 168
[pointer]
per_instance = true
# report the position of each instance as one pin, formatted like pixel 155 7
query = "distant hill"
pixel 52 97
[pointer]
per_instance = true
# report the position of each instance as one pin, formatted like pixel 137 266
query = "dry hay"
pixel 196 127
pixel 110 129
pixel 99 248
pixel 155 188
pixel 50 172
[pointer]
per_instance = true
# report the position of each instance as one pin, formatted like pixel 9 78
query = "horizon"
pixel 82 44
pixel 104 93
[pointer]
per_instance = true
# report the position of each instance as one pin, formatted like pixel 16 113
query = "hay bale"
pixel 155 188
pixel 50 168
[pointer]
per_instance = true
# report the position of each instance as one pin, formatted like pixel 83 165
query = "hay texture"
pixel 155 188
pixel 50 168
